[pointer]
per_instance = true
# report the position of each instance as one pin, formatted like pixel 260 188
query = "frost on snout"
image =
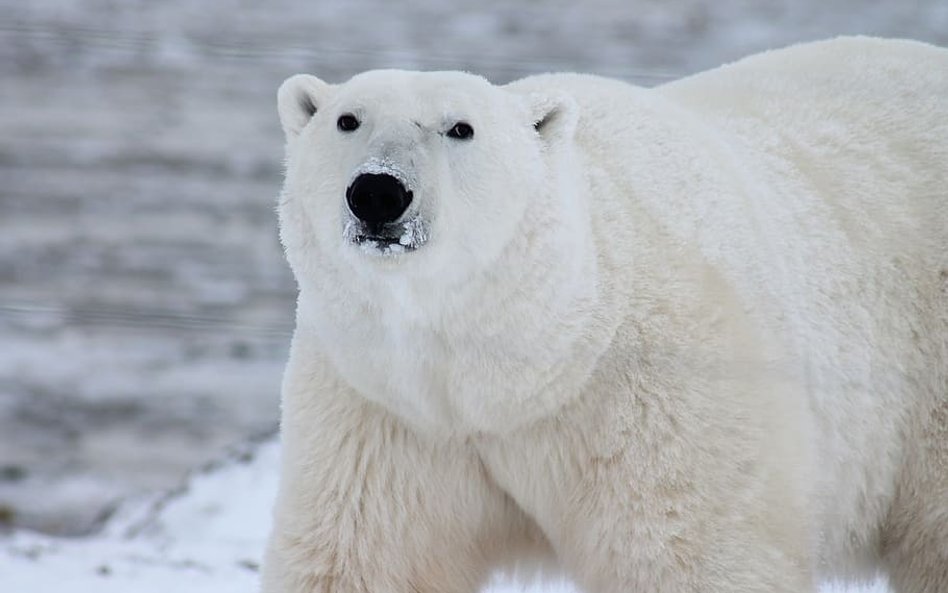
pixel 381 214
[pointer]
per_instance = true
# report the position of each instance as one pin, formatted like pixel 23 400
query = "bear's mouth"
pixel 389 238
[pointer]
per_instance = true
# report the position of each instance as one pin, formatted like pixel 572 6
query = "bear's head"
pixel 424 173
pixel 431 222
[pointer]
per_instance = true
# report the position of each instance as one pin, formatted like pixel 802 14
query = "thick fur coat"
pixel 689 338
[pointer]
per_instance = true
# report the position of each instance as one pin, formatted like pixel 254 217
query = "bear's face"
pixel 425 173
pixel 429 220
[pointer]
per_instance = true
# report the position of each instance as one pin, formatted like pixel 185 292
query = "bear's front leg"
pixel 368 506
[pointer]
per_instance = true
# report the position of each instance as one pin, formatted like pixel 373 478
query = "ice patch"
pixel 396 239
pixel 414 233
pixel 350 232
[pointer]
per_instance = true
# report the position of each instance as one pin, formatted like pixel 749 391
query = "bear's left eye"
pixel 347 122
pixel 461 131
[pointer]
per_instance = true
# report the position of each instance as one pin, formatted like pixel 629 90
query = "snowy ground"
pixel 145 307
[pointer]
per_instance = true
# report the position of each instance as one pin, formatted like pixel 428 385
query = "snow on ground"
pixel 205 537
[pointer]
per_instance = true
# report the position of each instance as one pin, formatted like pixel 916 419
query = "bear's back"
pixel 843 145
pixel 862 122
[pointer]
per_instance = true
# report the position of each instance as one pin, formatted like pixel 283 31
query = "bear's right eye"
pixel 461 131
pixel 347 122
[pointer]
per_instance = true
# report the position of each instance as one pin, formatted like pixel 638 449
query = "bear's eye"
pixel 347 122
pixel 461 131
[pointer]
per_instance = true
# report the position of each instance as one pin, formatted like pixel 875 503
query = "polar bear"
pixel 688 338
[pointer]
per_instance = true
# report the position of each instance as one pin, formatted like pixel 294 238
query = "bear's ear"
pixel 553 115
pixel 298 100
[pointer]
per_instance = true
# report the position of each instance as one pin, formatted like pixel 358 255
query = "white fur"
pixel 692 338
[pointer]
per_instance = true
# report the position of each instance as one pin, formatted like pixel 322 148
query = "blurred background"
pixel 145 307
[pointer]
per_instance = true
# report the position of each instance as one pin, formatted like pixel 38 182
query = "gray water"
pixel 145 307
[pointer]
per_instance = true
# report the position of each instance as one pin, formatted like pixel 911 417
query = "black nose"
pixel 377 199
